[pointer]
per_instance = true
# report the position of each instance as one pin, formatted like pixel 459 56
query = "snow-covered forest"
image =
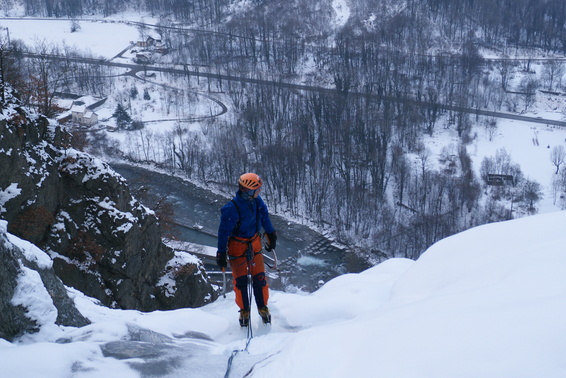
pixel 333 102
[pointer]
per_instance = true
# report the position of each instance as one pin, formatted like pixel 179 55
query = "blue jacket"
pixel 253 216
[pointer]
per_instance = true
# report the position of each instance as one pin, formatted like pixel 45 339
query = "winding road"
pixel 135 68
pixel 184 70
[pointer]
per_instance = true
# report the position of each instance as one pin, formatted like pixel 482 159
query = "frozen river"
pixel 305 255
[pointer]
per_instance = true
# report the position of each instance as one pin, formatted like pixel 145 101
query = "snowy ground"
pixel 100 38
pixel 489 302
pixel 518 139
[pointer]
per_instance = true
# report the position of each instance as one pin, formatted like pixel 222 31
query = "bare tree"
pixel 552 71
pixel 557 156
pixel 75 26
pixel 505 70
pixel 531 193
pixel 491 127
pixel 3 53
pixel 529 87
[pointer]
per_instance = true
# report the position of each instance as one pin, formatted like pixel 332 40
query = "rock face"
pixel 103 241
pixel 30 293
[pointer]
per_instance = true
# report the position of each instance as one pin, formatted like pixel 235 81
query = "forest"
pixel 351 158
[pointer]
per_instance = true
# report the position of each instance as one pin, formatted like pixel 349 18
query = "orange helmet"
pixel 250 181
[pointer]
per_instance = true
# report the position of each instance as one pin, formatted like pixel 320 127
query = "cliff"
pixel 102 241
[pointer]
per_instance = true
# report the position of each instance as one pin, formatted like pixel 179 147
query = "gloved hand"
pixel 272 238
pixel 221 259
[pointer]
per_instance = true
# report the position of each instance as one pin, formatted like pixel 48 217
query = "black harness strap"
pixel 236 229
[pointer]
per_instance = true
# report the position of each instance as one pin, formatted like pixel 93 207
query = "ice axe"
pixel 273 259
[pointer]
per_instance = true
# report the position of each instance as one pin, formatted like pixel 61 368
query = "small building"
pixel 90 118
pixel 143 58
pixel 500 180
pixel 151 44
pixel 150 41
pixel 82 115
pixel 81 110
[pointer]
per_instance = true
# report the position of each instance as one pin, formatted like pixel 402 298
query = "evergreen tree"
pixel 123 119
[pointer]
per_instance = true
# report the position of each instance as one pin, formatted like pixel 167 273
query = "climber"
pixel 239 242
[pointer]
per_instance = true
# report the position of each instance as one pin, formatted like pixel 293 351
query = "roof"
pixel 78 108
pixel 89 114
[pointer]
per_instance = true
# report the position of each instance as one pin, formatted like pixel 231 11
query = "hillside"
pixel 381 128
pixel 379 122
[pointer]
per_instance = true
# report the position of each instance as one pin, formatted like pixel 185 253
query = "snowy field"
pixel 516 137
pixel 489 302
pixel 100 38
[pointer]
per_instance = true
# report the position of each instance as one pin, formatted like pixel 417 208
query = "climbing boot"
pixel 265 315
pixel 244 317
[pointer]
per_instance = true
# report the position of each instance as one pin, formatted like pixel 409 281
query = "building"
pixel 82 115
pixel 150 41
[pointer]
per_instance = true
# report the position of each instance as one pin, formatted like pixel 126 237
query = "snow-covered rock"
pixel 102 240
pixel 31 295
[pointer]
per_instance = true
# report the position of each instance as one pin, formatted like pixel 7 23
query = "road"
pixel 135 68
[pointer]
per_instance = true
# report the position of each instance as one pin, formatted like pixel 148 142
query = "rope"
pixel 250 293
pixel 250 334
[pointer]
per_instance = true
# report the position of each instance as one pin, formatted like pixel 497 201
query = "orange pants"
pixel 244 255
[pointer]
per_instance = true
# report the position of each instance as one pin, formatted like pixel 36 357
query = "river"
pixel 303 261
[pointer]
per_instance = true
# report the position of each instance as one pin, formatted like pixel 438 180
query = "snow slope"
pixel 489 302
